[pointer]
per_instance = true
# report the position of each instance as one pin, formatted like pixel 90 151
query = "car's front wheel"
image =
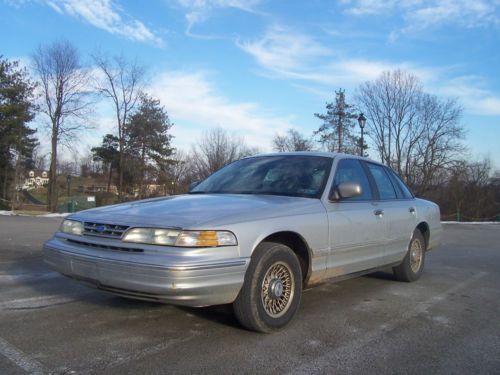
pixel 271 293
pixel 412 265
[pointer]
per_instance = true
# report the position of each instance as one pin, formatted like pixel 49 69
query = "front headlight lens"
pixel 170 237
pixel 152 236
pixel 72 227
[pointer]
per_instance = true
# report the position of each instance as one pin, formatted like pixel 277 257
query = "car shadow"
pixel 382 274
pixel 220 314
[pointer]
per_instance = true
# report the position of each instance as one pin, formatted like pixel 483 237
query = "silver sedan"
pixel 254 234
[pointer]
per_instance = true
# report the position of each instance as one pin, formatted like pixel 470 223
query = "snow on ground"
pixel 13 213
pixel 470 222
pixel 61 214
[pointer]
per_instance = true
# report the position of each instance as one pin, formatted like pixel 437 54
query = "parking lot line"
pixel 319 364
pixel 20 359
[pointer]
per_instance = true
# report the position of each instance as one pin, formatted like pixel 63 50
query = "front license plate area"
pixel 84 269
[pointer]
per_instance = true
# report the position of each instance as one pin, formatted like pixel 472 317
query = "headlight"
pixel 151 236
pixel 72 227
pixel 171 237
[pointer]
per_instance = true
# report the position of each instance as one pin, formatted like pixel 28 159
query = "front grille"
pixel 103 230
pixel 106 247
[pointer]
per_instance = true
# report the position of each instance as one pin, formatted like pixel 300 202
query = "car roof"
pixel 331 155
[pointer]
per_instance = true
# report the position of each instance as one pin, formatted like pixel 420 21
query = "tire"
pixel 272 289
pixel 412 265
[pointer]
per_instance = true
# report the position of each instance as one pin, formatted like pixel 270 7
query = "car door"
pixel 357 233
pixel 397 209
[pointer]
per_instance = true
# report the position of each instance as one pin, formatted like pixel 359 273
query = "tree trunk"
pixel 141 183
pixel 120 172
pixel 110 175
pixel 52 188
pixel 6 177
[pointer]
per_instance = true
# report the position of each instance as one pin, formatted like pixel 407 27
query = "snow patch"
pixel 471 222
pixel 12 213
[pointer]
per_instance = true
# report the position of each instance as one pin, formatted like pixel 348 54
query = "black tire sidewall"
pixel 409 274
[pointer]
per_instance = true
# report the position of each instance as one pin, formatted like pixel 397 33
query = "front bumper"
pixel 146 277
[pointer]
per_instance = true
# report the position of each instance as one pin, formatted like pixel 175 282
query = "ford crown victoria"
pixel 254 234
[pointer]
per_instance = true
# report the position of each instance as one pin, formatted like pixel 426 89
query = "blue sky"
pixel 257 68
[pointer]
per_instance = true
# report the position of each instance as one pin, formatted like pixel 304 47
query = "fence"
pixel 73 204
pixel 457 216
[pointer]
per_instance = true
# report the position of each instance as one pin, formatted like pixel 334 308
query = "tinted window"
pixel 402 188
pixel 350 170
pixel 383 182
pixel 302 176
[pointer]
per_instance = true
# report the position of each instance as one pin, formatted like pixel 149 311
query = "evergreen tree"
pixel 17 140
pixel 108 154
pixel 339 121
pixel 148 139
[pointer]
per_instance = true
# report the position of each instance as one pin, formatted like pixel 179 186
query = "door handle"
pixel 412 210
pixel 378 212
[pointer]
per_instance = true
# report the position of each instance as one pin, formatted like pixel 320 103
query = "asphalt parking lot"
pixel 447 322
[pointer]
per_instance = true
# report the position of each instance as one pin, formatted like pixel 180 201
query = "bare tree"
pixel 415 133
pixel 64 85
pixel 122 83
pixel 292 141
pixel 466 190
pixel 215 149
pixel 438 146
pixel 177 175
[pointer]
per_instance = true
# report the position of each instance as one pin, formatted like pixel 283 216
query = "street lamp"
pixel 361 122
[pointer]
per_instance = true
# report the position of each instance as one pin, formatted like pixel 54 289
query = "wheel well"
pixel 298 245
pixel 423 227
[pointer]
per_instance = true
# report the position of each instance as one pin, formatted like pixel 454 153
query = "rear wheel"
pixel 412 265
pixel 271 293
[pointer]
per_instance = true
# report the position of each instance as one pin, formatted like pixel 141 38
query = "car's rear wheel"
pixel 271 293
pixel 412 265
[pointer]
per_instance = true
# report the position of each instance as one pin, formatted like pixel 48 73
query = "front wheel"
pixel 412 265
pixel 271 292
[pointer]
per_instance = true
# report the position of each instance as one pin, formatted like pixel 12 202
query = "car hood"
pixel 194 211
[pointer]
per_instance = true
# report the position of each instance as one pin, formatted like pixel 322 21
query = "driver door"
pixel 356 226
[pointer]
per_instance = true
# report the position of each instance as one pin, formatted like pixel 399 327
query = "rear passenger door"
pixel 357 233
pixel 397 208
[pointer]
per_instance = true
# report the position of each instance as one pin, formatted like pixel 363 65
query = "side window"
pixel 404 190
pixel 382 180
pixel 350 170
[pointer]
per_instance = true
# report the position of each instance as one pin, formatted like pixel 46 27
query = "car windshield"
pixel 292 175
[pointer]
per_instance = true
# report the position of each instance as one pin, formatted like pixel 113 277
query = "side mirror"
pixel 192 185
pixel 347 190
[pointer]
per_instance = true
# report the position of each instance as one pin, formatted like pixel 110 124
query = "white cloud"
pixel 106 15
pixel 245 5
pixel 465 13
pixel 194 104
pixel 424 14
pixel 473 93
pixel 282 50
pixel 200 10
pixel 286 54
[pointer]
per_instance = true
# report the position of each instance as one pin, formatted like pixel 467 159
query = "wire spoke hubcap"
pixel 416 254
pixel 277 290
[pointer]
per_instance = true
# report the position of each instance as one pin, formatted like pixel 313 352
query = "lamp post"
pixel 361 122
